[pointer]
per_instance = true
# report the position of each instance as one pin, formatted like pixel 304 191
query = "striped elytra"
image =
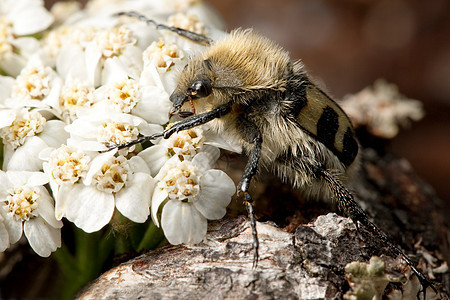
pixel 321 117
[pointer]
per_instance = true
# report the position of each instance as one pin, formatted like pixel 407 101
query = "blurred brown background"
pixel 348 44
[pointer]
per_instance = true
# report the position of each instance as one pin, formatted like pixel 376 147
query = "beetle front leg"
pixel 194 121
pixel 197 120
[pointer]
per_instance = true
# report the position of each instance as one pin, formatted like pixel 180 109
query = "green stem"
pixel 66 261
pixel 152 238
pixel 87 254
pixel 85 264
pixel 92 250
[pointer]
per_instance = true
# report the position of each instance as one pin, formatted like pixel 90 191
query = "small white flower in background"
pixel 6 38
pixel 113 42
pixel 188 22
pixel 382 109
pixel 19 18
pixel 25 134
pixel 66 39
pixel 26 206
pixel 110 182
pixel 93 49
pixel 191 193
pixel 63 10
pixel 26 16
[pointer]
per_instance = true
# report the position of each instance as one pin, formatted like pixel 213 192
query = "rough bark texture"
pixel 307 262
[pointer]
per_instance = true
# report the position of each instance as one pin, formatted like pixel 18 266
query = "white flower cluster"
pixel 381 109
pixel 73 82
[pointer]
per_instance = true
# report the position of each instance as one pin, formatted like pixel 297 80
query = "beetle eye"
pixel 201 88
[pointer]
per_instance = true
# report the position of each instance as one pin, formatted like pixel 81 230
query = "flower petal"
pixel 30 17
pixel 223 142
pixel 155 157
pixel 216 190
pixel 154 107
pixel 113 71
pixel 19 178
pixel 97 163
pixel 159 196
pixel 4 184
pixel 133 201
pixel 13 227
pixel 4 237
pixel 54 134
pixel 138 165
pixel 46 209
pixel 92 63
pixel 43 238
pixel 81 127
pixel 182 223
pixel 65 62
pixel 86 206
pixel 36 178
pixel 6 82
pixel 13 63
pixel 26 157
pixel 206 159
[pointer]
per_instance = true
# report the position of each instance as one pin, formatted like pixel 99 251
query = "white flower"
pixel 113 42
pixel 100 128
pixel 110 182
pixel 64 165
pixel 67 41
pixel 25 203
pixel 62 11
pixel 161 60
pixel 162 55
pixel 20 18
pixel 25 133
pixel 191 193
pixel 127 95
pixel 75 96
pixel 6 37
pixel 113 46
pixel 26 16
pixel 382 109
pixel 184 144
pixel 36 86
pixel 188 22
pixel 21 125
pixel 94 49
